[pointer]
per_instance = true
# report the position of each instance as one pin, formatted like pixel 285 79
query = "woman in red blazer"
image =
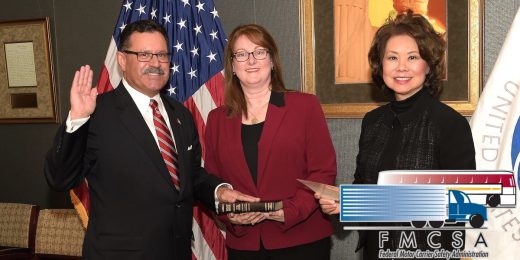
pixel 262 140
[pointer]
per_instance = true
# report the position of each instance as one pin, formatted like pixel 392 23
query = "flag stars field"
pixel 166 18
pixel 214 13
pixel 141 9
pixel 214 35
pixel 182 24
pixel 200 7
pixel 174 68
pixel 195 51
pixel 128 5
pixel 197 29
pixel 178 46
pixel 211 56
pixel 171 90
pixel 192 73
pixel 122 27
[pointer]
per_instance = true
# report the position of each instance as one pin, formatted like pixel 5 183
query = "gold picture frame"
pixel 461 89
pixel 27 89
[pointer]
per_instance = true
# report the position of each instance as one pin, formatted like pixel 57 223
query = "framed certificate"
pixel 27 90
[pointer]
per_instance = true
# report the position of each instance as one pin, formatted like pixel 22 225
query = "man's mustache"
pixel 154 70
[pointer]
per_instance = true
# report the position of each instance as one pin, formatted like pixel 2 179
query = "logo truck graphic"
pixel 418 204
pixel 495 188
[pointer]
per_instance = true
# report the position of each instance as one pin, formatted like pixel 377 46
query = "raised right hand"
pixel 82 95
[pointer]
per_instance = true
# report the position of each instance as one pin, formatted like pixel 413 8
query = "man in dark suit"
pixel 141 187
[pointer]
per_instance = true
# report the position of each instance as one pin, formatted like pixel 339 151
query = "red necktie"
pixel 166 145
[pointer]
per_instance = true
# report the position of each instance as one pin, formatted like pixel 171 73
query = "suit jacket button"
pixel 178 205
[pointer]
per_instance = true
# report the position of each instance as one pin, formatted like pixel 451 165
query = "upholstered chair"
pixel 59 234
pixel 17 230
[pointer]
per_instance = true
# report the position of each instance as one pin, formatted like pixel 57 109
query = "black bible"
pixel 241 207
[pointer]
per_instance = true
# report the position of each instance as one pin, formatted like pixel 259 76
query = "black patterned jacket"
pixel 434 137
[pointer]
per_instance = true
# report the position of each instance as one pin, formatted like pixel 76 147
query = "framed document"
pixel 27 91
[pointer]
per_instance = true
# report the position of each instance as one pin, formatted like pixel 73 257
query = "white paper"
pixel 21 70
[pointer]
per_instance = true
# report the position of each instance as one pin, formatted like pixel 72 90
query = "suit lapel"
pixel 133 121
pixel 274 119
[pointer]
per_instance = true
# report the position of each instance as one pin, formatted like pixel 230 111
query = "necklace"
pixel 254 118
pixel 257 106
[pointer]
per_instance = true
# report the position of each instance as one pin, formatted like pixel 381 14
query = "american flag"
pixel 197 41
pixel 495 126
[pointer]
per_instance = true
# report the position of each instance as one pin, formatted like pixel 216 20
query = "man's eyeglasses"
pixel 258 54
pixel 163 57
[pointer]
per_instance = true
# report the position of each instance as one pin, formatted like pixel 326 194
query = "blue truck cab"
pixel 461 209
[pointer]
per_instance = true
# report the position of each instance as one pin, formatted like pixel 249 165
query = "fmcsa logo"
pixel 417 204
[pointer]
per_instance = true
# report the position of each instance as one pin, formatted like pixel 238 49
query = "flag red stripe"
pixel 104 84
pixel 215 86
pixel 210 231
pixel 82 193
pixel 212 234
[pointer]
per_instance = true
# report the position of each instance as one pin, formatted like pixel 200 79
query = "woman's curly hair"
pixel 431 46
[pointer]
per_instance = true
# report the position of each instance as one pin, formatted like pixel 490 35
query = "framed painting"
pixel 340 76
pixel 27 90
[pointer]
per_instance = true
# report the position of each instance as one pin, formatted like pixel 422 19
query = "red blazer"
pixel 295 144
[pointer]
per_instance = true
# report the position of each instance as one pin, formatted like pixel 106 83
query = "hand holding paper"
pixel 326 191
pixel 327 195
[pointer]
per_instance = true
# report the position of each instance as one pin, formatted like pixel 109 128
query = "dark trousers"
pixel 315 250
